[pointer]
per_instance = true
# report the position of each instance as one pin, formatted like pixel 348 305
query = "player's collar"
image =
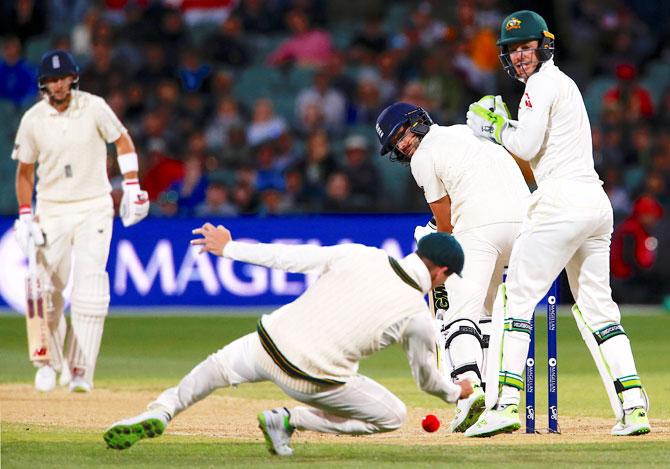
pixel 415 267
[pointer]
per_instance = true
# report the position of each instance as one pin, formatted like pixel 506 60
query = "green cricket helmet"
pixel 522 26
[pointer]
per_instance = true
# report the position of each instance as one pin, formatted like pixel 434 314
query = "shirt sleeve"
pixel 300 258
pixel 417 336
pixel 25 149
pixel 525 139
pixel 108 124
pixel 423 170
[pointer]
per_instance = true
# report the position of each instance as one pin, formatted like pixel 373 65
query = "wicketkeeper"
pixel 568 225
pixel 65 136
pixel 362 302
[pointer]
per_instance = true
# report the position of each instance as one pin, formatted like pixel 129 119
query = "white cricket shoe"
pixel 634 422
pixel 495 421
pixel 125 433
pixel 468 410
pixel 79 384
pixel 45 378
pixel 277 430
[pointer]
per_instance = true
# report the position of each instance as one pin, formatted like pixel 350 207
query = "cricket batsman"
pixel 362 302
pixel 568 225
pixel 477 192
pixel 63 137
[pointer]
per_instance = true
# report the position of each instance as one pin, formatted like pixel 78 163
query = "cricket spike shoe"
pixel 468 410
pixel 45 378
pixel 125 433
pixel 277 430
pixel 495 421
pixel 634 422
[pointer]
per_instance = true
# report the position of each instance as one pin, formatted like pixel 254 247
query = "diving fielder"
pixel 568 224
pixel 362 302
pixel 66 134
pixel 477 192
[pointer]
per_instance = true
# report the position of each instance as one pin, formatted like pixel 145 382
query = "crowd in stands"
pixel 267 107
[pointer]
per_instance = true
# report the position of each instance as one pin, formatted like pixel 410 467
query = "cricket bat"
pixel 36 321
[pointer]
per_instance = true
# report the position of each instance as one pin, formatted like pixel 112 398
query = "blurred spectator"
pixel 317 164
pixel 245 198
pixel 101 74
pixel 634 248
pixel 273 202
pixel 174 35
pixel 190 189
pixel 388 83
pixel 268 172
pixel 18 79
pixel 194 73
pixel 339 79
pixel 296 192
pixel 166 205
pixel 616 192
pixel 227 45
pixel 155 67
pixel 227 115
pixel 286 153
pixel 259 16
pixel 632 98
pixel 237 151
pixel 82 34
pixel 23 19
pixel 330 102
pixel 641 146
pixel 369 42
pixel 368 103
pixel 265 125
pixel 476 53
pixel 161 170
pixel 362 174
pixel 217 203
pixel 414 93
pixel 307 47
pixel 337 198
pixel 444 84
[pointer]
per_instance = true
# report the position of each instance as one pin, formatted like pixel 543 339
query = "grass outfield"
pixel 143 355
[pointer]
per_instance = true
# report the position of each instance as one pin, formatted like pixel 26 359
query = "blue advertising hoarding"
pixel 152 263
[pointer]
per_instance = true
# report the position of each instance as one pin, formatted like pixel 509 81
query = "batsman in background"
pixel 476 191
pixel 362 302
pixel 66 134
pixel 568 224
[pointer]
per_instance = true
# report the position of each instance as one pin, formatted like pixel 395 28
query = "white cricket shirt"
pixel 69 147
pixel 359 304
pixel 553 132
pixel 483 181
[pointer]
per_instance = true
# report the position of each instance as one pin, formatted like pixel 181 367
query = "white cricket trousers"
pixel 77 238
pixel 568 224
pixel 361 406
pixel 487 252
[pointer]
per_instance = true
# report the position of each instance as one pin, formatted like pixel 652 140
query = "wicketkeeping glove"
pixel 489 118
pixel 134 203
pixel 25 228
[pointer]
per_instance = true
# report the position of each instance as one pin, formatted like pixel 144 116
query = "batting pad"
pixel 90 300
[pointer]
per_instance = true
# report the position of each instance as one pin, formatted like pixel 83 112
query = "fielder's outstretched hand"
pixel 213 240
pixel 466 388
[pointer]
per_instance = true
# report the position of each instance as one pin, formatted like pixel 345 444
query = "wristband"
pixel 127 162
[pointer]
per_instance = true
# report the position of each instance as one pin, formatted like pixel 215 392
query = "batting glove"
pixel 26 228
pixel 421 231
pixel 488 123
pixel 134 203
